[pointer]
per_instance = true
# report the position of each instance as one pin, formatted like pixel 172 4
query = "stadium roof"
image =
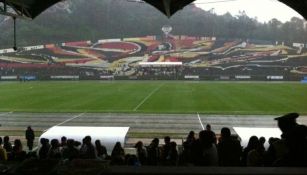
pixel 25 8
pixel 169 7
pixel 299 6
pixel 32 8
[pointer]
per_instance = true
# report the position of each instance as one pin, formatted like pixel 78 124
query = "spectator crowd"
pixel 204 149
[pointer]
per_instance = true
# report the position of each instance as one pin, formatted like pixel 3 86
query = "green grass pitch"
pixel 154 97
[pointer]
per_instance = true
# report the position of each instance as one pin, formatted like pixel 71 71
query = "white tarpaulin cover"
pixel 245 133
pixel 108 136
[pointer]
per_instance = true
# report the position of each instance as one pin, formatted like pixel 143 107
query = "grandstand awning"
pixel 169 7
pixel 25 8
pixel 245 133
pixel 108 136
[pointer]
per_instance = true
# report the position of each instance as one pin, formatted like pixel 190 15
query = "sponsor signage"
pixel 27 77
pixel 33 47
pixel 243 77
pixel 7 51
pixel 108 40
pixel 275 77
pixel 160 63
pixel 191 76
pixel 65 77
pixel 300 45
pixel 224 77
pixel 8 77
pixel 107 77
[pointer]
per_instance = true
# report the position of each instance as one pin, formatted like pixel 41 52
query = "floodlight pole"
pixel 15 42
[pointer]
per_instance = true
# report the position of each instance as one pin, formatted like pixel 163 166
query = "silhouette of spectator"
pixel 70 152
pixel 131 160
pixel 295 138
pixel 153 152
pixel 262 141
pixel 63 142
pixel 165 149
pixel 3 154
pixel 277 149
pixel 208 128
pixel 190 138
pixel 45 146
pixel 87 150
pixel 186 156
pixel 101 150
pixel 252 144
pixel 255 156
pixel 118 154
pixel 30 137
pixel 54 151
pixel 229 149
pixel 204 150
pixel 7 145
pixel 141 153
pixel 172 156
pixel 17 153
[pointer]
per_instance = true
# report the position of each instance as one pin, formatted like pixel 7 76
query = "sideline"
pixel 201 124
pixel 74 117
pixel 147 97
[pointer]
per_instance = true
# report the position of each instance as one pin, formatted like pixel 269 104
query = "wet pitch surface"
pixel 142 126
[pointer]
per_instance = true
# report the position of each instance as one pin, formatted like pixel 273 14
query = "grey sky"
pixel 264 10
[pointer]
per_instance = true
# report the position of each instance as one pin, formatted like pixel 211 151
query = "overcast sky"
pixel 264 10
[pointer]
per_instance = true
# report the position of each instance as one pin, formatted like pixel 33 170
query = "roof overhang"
pixel 299 6
pixel 25 8
pixel 169 7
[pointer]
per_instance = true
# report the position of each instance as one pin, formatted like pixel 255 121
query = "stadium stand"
pixel 200 150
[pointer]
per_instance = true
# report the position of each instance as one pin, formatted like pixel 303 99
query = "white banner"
pixel 191 76
pixel 243 77
pixel 65 77
pixel 275 77
pixel 8 77
pixel 107 77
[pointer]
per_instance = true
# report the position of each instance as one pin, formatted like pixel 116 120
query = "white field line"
pixel 147 97
pixel 6 113
pixel 74 117
pixel 201 123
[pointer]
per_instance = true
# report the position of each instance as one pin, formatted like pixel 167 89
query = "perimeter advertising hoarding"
pixel 27 77
pixel 243 77
pixel 193 77
pixel 273 77
pixel 8 77
pixel 65 77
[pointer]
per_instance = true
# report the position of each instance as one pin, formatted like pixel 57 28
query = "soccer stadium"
pixel 162 102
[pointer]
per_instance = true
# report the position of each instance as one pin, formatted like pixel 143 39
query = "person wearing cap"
pixel 295 138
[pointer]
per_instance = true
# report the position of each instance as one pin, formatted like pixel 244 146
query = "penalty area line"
pixel 147 97
pixel 74 117
pixel 201 123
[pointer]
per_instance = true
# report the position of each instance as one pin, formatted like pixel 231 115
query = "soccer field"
pixel 154 97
